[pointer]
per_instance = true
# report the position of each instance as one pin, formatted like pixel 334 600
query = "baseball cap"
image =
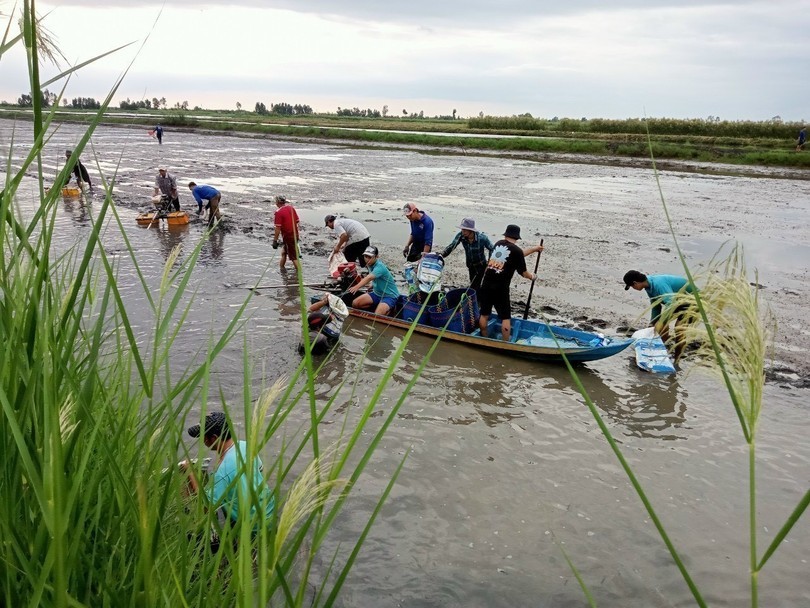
pixel 633 276
pixel 329 218
pixel 280 199
pixel 215 424
pixel 371 251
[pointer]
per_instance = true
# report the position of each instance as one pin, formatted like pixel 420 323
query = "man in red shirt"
pixel 286 221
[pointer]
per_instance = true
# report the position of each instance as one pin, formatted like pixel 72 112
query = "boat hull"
pixel 532 340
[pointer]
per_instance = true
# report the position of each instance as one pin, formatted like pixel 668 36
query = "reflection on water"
pixel 167 237
pixel 653 407
pixel 213 248
pixel 469 385
pixel 77 209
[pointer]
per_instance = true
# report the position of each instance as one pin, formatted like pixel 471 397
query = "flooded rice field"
pixel 503 458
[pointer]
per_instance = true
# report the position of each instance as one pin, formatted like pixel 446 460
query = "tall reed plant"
pixel 92 508
pixel 734 328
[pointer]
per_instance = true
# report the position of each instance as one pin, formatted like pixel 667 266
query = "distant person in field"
pixel 802 139
pixel 477 249
pixel 166 184
pixel 206 193
pixel 661 288
pixel 286 225
pixel 353 238
pixel 79 171
pixel 159 134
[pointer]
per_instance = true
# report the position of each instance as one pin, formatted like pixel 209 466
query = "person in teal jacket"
pixel 236 486
pixel 383 296
pixel 661 288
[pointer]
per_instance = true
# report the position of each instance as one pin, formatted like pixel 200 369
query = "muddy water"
pixel 502 456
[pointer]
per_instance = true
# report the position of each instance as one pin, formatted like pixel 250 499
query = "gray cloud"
pixel 458 13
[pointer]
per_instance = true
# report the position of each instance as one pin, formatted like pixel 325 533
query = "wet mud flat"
pixel 597 221
pixel 501 452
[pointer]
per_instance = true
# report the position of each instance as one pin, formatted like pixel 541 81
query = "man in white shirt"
pixel 353 238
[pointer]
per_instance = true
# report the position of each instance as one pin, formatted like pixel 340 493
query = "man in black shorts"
pixel 506 259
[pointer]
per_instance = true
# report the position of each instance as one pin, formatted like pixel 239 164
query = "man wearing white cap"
pixel 421 238
pixel 167 185
pixel 477 248
pixel 384 294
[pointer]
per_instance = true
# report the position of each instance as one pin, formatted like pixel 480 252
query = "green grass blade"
pixel 785 530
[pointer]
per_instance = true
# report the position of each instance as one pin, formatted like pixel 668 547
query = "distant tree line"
pixel 282 108
pixel 710 126
pixel 368 113
pixel 48 99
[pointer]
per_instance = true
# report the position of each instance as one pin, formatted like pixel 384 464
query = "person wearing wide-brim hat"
pixel 237 487
pixel 166 184
pixel 506 259
pixel 477 248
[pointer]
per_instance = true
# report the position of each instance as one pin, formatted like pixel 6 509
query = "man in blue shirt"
pixel 212 195
pixel 238 488
pixel 421 239
pixel 661 288
pixel 384 294
pixel 802 139
pixel 477 248
pixel 159 134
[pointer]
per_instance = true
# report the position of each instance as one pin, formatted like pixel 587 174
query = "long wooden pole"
pixel 531 289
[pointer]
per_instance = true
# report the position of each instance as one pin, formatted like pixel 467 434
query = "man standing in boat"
pixel 79 171
pixel 506 259
pixel 421 239
pixel 353 238
pixel 166 184
pixel 477 248
pixel 286 226
pixel 206 193
pixel 383 296
pixel 661 288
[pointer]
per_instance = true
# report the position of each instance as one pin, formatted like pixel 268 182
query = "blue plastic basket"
pixel 412 308
pixel 458 310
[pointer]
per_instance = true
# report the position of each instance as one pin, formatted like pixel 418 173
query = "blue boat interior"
pixel 537 333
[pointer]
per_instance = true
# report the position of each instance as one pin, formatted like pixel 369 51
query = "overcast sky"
pixel 614 59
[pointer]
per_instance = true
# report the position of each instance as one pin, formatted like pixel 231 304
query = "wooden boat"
pixel 530 339
pixel 174 218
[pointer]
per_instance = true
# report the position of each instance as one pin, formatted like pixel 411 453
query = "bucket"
pixel 429 273
pixel 458 311
pixel 412 308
